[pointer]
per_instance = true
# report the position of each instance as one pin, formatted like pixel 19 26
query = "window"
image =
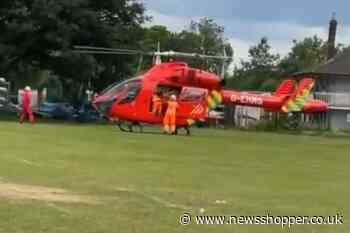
pixel 348 117
pixel 116 89
pixel 131 91
pixel 113 92
pixel 166 91
pixel 192 94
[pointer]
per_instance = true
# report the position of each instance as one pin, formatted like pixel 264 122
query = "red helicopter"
pixel 129 103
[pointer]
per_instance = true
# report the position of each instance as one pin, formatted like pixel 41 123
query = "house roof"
pixel 339 65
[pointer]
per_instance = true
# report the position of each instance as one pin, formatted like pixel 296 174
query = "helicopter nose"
pixel 103 106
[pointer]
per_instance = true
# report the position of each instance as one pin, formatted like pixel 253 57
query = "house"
pixel 333 84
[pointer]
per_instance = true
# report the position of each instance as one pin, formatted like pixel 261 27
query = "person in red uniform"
pixel 169 120
pixel 26 97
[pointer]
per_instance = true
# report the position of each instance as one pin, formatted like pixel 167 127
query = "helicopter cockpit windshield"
pixel 117 88
pixel 121 93
pixel 130 92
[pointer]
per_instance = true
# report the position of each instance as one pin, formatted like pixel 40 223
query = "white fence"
pixel 334 99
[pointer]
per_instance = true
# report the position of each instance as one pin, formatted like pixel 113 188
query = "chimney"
pixel 331 37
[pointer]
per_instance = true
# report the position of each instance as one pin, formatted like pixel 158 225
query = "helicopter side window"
pixel 167 91
pixel 131 91
pixel 192 94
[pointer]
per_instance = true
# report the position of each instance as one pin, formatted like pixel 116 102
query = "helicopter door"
pixel 162 94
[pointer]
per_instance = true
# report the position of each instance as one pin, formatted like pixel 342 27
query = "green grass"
pixel 137 177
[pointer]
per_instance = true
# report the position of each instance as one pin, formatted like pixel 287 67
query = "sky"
pixel 247 21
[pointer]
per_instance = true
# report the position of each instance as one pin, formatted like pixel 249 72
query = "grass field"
pixel 95 179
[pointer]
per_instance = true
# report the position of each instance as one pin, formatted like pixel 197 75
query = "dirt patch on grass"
pixel 28 192
pixel 155 199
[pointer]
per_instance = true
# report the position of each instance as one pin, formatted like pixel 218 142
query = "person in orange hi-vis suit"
pixel 170 116
pixel 157 104
pixel 26 106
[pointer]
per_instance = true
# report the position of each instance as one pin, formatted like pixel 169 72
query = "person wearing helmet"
pixel 26 97
pixel 170 116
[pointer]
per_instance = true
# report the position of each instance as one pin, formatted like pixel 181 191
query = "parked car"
pixel 87 113
pixel 62 110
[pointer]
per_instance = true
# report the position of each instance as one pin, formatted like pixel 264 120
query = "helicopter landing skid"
pixel 126 126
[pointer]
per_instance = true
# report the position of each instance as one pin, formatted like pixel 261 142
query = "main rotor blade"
pixel 192 55
pixel 79 47
pixel 104 52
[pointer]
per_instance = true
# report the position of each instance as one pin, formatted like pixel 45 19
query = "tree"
pixel 207 37
pixel 261 56
pixel 305 55
pixel 259 73
pixel 203 37
pixel 156 34
pixel 40 34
